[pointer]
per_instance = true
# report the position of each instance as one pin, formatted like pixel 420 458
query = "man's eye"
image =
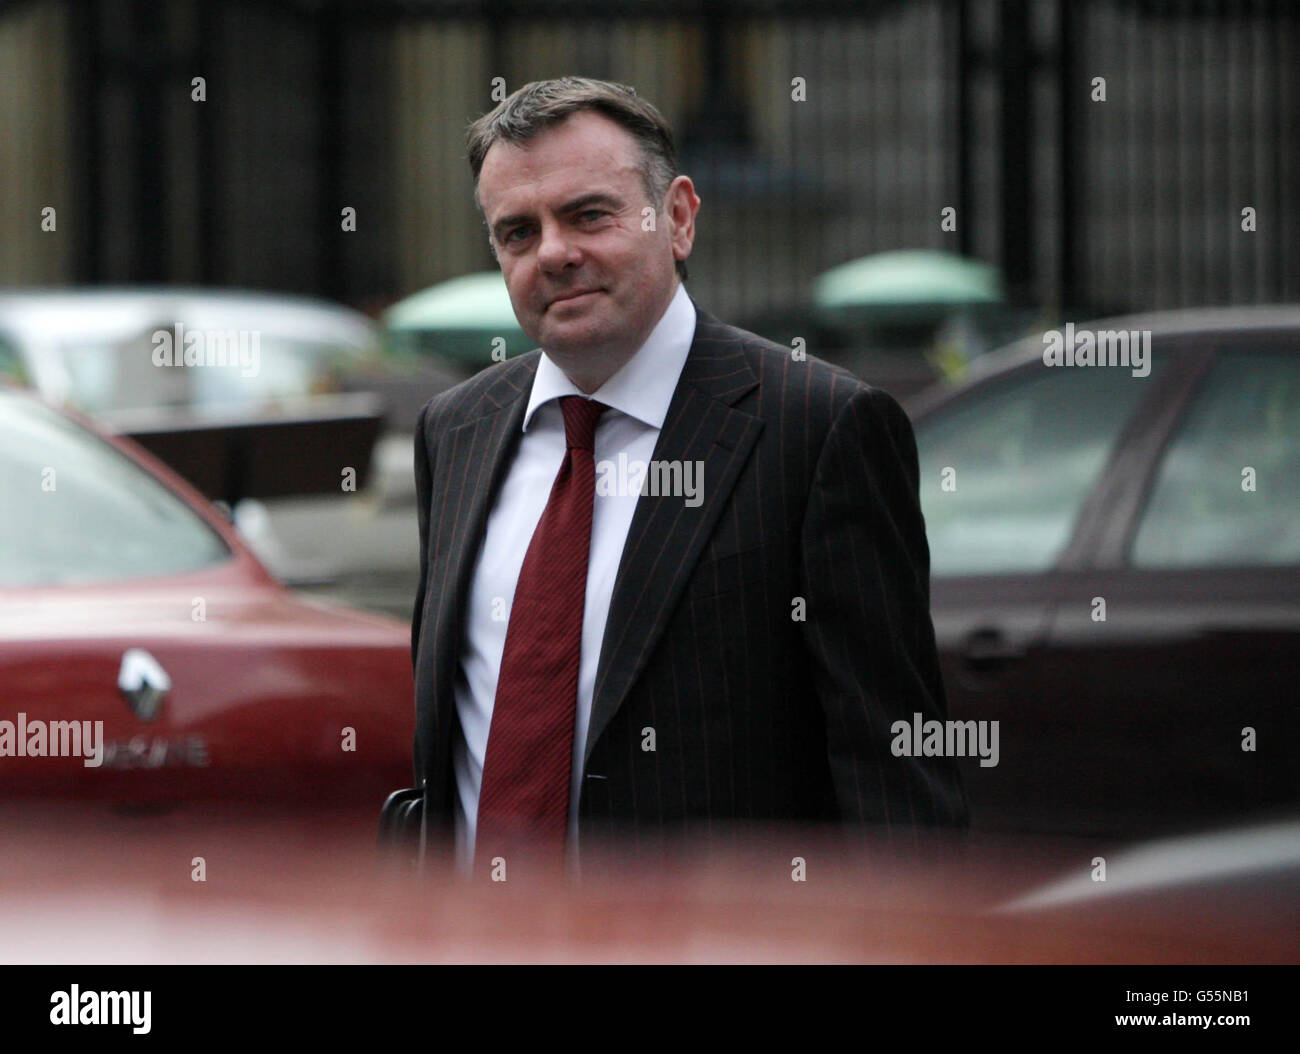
pixel 585 215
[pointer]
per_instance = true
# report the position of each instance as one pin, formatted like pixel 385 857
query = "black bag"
pixel 399 820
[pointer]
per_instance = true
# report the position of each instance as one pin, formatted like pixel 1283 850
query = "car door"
pixel 1184 695
pixel 1008 468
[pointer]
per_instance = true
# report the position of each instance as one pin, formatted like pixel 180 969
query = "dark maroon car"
pixel 1116 571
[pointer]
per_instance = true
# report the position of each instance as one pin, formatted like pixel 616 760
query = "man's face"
pixel 566 215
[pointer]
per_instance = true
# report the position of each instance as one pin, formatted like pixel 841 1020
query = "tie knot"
pixel 580 417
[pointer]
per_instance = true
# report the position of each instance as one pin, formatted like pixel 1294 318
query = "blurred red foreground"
pixel 84 886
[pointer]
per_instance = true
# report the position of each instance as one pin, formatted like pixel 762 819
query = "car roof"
pixel 109 312
pixel 1203 321
pixel 1159 865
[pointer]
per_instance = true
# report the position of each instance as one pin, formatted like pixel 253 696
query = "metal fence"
pixel 1101 152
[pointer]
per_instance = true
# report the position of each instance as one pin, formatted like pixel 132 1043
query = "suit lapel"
pixel 471 463
pixel 666 537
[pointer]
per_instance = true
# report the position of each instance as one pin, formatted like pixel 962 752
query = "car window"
pixel 1006 469
pixel 78 511
pixel 1226 492
pixel 242 372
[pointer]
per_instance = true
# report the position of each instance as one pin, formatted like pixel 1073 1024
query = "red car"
pixel 148 659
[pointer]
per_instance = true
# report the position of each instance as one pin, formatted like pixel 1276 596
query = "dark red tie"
pixel 524 798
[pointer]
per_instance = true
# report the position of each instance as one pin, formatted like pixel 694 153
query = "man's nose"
pixel 556 249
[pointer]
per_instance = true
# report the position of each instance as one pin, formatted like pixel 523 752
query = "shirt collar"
pixel 643 387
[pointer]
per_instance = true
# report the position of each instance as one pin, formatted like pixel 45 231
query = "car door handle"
pixel 988 648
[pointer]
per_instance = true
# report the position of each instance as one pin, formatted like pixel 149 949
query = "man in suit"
pixel 672 576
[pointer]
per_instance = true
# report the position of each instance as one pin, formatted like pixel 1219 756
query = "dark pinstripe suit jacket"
pixel 769 636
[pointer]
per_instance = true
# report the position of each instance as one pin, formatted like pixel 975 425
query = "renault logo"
pixel 143 683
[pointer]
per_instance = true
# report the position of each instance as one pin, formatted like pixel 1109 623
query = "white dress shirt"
pixel 638 396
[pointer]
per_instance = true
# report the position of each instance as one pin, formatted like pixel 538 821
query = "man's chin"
pixel 574 341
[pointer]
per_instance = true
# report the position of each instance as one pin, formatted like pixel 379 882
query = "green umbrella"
pixel 460 318
pixel 906 286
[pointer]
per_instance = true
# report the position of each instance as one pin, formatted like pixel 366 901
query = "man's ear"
pixel 681 203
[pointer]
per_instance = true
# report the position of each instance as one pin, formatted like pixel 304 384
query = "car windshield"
pixel 78 511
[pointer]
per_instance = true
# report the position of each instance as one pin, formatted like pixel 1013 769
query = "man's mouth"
pixel 574 296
